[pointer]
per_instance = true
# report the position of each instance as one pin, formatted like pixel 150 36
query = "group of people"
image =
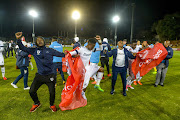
pixel 49 61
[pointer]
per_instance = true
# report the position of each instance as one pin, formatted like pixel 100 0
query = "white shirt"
pixel 120 59
pixel 84 53
pixel 128 48
pixel 138 47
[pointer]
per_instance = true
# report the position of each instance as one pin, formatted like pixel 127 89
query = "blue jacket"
pixel 77 44
pixel 86 44
pixel 126 53
pixel 107 47
pixel 43 57
pixel 22 59
pixel 95 55
pixel 55 45
pixel 169 56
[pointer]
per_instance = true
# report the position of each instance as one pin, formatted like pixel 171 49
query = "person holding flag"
pixel 163 66
pixel 94 60
pixel 85 55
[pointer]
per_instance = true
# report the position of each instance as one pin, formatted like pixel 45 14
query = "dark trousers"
pixel 10 49
pixel 24 73
pixel 105 61
pixel 39 80
pixel 58 65
pixel 122 71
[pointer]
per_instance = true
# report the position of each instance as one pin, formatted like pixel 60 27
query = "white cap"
pixel 105 40
pixel 24 43
pixel 76 39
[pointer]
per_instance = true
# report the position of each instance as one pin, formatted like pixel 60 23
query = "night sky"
pixel 96 16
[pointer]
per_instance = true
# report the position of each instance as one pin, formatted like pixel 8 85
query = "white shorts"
pixel 90 71
pixel 1 60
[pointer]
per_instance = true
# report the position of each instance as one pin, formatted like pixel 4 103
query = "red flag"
pixel 148 59
pixel 71 97
pixel 64 67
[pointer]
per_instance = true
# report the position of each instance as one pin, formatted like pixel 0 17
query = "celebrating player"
pixel 44 61
pixel 85 54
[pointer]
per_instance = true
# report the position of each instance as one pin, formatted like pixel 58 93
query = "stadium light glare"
pixel 33 13
pixel 75 15
pixel 116 19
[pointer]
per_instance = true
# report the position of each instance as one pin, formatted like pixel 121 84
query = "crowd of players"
pixel 95 50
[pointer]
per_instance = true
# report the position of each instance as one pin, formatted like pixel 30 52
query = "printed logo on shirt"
pixel 85 54
pixel 38 52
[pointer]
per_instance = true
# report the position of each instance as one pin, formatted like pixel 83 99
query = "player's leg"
pixel 2 67
pixel 95 78
pixel 107 66
pixel 123 77
pixel 138 78
pixel 26 73
pixel 164 71
pixel 158 75
pixel 32 68
pixel 50 82
pixel 37 82
pixel 18 78
pixel 113 81
pixel 12 51
pixel 99 77
pixel 90 71
pixel 102 63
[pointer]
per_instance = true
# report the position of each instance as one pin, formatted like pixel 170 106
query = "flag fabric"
pixel 64 67
pixel 148 59
pixel 71 97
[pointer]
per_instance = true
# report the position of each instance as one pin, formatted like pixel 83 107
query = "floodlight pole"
pixel 132 22
pixel 75 35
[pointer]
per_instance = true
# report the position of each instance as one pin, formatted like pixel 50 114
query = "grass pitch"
pixel 143 103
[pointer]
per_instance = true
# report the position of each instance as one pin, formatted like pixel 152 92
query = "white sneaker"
pixel 83 95
pixel 27 88
pixel 15 86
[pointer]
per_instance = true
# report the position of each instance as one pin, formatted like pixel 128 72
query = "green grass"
pixel 144 102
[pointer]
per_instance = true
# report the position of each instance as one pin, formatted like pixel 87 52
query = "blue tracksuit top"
pixel 169 56
pixel 86 44
pixel 55 45
pixel 22 59
pixel 43 57
pixel 95 55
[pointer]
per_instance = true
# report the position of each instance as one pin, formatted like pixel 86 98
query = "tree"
pixel 168 28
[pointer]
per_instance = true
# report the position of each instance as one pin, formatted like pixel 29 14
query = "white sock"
pixel 3 71
pixel 139 78
pixel 95 77
pixel 31 64
pixel 99 77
